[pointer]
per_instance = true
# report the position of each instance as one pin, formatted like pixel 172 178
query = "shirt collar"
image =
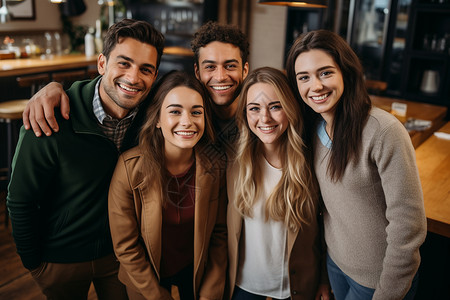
pixel 99 112
pixel 322 133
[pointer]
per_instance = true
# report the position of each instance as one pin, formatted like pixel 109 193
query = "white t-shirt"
pixel 263 259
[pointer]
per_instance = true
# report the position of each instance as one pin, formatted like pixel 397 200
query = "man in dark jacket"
pixel 57 196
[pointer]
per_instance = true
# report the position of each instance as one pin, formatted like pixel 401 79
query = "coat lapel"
pixel 292 236
pixel 204 180
pixel 152 221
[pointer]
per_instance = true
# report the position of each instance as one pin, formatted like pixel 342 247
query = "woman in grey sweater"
pixel 365 164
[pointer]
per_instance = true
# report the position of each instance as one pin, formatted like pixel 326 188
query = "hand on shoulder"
pixel 39 112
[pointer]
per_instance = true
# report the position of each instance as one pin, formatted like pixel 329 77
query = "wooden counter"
pixel 417 110
pixel 433 161
pixel 18 67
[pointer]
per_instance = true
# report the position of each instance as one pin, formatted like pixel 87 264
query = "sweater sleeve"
pixel 125 233
pixel 406 229
pixel 34 166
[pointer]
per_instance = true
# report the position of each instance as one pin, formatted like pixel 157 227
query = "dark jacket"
pixel 58 193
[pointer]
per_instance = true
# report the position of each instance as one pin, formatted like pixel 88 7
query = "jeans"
pixel 345 288
pixel 240 294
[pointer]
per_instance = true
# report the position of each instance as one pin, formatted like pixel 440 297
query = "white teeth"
pixel 127 88
pixel 185 133
pixel 221 88
pixel 319 97
pixel 267 128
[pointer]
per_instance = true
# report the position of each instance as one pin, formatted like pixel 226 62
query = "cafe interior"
pixel 404 46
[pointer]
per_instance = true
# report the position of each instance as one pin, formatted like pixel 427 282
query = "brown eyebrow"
pixel 129 59
pixel 320 69
pixel 206 61
pixel 181 106
pixel 270 103
pixel 174 105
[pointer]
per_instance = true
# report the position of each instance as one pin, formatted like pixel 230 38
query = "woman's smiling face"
pixel 265 115
pixel 182 118
pixel 319 81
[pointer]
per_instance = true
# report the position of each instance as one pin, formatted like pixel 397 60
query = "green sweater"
pixel 58 193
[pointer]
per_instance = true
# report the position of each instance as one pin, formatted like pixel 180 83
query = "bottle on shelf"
pixel 58 44
pixel 89 46
pixel 98 36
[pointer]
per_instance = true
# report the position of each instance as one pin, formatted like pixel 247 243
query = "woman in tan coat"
pixel 167 200
pixel 273 220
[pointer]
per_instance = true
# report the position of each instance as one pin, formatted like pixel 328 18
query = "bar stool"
pixel 10 112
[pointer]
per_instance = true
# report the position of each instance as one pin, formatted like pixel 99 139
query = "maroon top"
pixel 177 250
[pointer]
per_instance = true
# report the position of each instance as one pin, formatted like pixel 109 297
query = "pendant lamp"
pixel 305 3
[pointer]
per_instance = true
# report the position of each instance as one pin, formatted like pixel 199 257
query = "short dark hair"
pixel 138 30
pixel 215 32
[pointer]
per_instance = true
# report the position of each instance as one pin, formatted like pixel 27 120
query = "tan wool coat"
pixel 135 215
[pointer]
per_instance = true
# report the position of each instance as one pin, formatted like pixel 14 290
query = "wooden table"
pixel 22 66
pixel 433 161
pixel 417 110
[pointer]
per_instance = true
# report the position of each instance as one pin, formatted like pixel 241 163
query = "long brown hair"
pixel 151 139
pixel 293 199
pixel 353 108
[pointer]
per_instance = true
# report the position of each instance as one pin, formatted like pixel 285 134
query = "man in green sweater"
pixel 57 196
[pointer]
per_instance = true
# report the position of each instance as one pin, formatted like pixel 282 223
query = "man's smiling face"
pixel 128 74
pixel 221 70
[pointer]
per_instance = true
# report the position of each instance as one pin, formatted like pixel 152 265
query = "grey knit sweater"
pixel 374 217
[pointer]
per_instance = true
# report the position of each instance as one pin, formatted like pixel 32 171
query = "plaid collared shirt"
pixel 113 129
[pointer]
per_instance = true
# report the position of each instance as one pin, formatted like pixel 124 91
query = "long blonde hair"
pixel 293 200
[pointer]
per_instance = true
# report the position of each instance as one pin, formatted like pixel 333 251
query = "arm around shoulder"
pixel 39 112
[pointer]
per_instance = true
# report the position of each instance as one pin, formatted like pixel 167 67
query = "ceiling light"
pixel 305 3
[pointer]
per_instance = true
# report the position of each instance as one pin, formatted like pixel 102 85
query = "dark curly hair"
pixel 215 32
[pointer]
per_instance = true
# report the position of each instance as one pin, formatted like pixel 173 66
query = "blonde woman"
pixel 273 215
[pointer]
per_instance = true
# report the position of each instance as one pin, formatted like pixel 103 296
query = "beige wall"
pixel 48 17
pixel 267 35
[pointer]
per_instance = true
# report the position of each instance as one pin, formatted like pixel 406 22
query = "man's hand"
pixel 39 113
